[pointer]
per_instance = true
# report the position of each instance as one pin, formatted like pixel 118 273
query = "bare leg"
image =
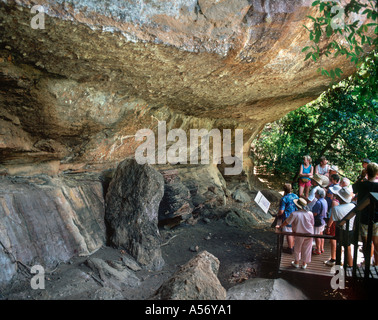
pixel 307 191
pixel 301 188
pixel 290 241
pixel 333 249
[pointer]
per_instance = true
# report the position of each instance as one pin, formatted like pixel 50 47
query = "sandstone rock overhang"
pixel 77 91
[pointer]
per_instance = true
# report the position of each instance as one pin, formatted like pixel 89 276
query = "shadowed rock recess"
pixel 75 91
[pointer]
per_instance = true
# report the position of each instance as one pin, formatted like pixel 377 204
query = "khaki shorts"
pixel 364 230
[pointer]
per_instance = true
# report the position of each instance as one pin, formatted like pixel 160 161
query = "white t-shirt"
pixel 340 211
pixel 322 170
pixel 302 221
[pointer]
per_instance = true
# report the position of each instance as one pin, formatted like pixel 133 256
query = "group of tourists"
pixel 325 198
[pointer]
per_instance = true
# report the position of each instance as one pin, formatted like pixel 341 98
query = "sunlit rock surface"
pixel 75 93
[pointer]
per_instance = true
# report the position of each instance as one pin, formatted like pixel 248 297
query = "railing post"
pixel 279 250
pixel 346 245
pixel 339 239
pixel 369 237
pixel 355 243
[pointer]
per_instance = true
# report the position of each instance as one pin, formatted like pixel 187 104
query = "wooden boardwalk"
pixel 317 265
pixel 360 272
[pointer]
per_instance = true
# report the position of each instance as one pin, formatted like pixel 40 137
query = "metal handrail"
pixel 362 205
pixel 305 235
pixel 369 200
pixel 341 237
pixel 280 235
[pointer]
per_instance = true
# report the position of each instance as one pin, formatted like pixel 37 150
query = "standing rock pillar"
pixel 131 214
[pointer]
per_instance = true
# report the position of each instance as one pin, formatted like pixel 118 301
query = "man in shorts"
pixel 319 210
pixel 344 195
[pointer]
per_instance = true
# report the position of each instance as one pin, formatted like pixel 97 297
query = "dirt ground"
pixel 243 254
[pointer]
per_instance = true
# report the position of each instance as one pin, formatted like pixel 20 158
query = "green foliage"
pixel 342 124
pixel 331 20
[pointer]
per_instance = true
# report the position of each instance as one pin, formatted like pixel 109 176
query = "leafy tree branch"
pixel 332 20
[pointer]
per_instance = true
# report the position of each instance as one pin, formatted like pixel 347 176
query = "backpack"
pixel 318 217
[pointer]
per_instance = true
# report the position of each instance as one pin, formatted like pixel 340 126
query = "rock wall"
pixel 75 91
pixel 48 221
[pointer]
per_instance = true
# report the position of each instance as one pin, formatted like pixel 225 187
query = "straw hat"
pixel 300 203
pixel 325 181
pixel 321 180
pixel 317 179
pixel 345 193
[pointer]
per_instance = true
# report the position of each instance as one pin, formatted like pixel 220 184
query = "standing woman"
pixel 306 171
pixel 302 221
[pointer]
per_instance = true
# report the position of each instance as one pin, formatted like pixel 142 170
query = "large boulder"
pixel 196 280
pixel 131 212
pixel 265 289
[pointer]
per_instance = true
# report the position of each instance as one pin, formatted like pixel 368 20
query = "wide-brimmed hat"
pixel 316 177
pixel 334 168
pixel 345 193
pixel 334 188
pixel 300 203
pixel 321 180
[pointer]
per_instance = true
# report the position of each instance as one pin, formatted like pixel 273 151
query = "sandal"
pixel 316 251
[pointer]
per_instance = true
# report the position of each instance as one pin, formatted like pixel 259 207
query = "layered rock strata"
pixel 45 221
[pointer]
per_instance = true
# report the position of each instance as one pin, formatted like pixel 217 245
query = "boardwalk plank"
pixel 317 265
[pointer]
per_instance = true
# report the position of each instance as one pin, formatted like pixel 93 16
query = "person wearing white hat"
pixel 333 182
pixel 344 195
pixel 302 221
pixel 318 182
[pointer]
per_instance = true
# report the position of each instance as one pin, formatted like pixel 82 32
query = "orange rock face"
pixel 77 90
